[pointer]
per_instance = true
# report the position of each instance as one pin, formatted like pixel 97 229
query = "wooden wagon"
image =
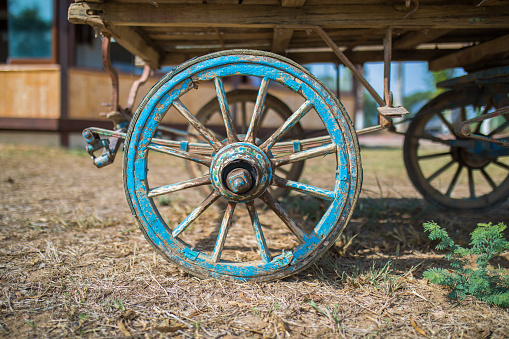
pixel 238 156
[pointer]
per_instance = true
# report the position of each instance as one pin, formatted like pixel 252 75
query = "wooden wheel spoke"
pixel 288 124
pixel 204 180
pixel 446 122
pixel 304 155
pixel 454 180
pixel 501 165
pixel 254 125
pixel 440 171
pixel 201 159
pixel 433 156
pixel 427 136
pixel 225 110
pixel 471 183
pixel 211 139
pixel 223 231
pixel 304 188
pixel 260 239
pixel 283 215
pixel 488 179
pixel 196 213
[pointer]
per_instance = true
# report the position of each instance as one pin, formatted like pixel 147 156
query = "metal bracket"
pixel 464 130
pixel 120 116
pixel 386 110
pixel 95 143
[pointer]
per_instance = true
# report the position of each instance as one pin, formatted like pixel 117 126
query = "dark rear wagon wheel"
pixel 455 173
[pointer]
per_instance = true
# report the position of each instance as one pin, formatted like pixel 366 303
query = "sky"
pixel 416 77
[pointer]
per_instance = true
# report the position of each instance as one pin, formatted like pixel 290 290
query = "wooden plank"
pixel 470 56
pixel 292 3
pixel 331 16
pixel 413 39
pixel 176 57
pixel 210 37
pixel 166 45
pixel 281 40
pixel 136 44
pixel 361 40
pixel 365 56
pixel 486 2
pixel 30 91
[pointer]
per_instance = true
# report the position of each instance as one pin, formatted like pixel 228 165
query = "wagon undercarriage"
pixel 236 157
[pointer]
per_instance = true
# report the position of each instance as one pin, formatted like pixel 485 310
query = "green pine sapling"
pixel 482 281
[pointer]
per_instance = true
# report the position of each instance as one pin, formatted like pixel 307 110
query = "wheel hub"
pixel 240 172
pixel 470 159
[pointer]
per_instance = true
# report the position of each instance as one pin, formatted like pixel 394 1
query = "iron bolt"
pixel 239 181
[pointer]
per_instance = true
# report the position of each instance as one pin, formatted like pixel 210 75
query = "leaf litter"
pixel 74 264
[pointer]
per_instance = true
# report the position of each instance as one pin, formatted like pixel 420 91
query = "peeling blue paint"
pixel 276 70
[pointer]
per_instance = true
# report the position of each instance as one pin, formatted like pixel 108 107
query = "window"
pixel 30 32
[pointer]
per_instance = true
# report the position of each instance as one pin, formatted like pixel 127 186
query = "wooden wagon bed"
pixel 473 34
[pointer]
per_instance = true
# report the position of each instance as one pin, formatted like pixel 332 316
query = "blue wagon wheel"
pixel 240 171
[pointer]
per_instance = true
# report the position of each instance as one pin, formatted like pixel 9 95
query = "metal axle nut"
pixel 239 180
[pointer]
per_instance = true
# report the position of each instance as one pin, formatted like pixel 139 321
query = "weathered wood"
pixel 360 57
pixel 209 36
pixel 285 217
pixel 223 231
pixel 126 36
pixel 292 3
pixel 328 16
pixel 281 39
pixel 470 56
pixel 413 39
pixel 136 44
pixel 486 2
pixel 166 189
pixel 359 41
pixel 304 155
pixel 28 91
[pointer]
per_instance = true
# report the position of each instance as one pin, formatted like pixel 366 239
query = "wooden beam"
pixel 485 2
pixel 210 37
pixel 365 37
pixel 281 40
pixel 413 39
pixel 176 58
pixel 126 36
pixel 326 16
pixel 292 3
pixel 469 56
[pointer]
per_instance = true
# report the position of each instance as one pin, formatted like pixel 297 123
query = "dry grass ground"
pixel 73 263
